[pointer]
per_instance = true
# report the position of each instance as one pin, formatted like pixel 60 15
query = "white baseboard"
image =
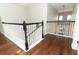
pixel 60 35
pixel 33 45
pixel 21 45
pixel 17 43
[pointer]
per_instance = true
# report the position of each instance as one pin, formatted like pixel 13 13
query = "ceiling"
pixel 63 6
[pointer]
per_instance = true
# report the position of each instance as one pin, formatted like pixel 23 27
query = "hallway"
pixel 51 45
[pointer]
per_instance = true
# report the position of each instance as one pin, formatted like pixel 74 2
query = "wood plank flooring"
pixel 50 45
pixel 53 45
pixel 7 47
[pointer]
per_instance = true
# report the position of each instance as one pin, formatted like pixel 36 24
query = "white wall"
pixel 37 12
pixel 76 31
pixel 52 13
pixel 15 14
pixel 74 12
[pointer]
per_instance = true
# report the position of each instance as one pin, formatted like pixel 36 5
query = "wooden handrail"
pixel 21 23
pixel 33 23
pixel 12 23
pixel 58 21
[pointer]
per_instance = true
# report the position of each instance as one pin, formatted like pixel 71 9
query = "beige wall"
pixel 37 12
pixel 52 15
pixel 74 12
pixel 15 14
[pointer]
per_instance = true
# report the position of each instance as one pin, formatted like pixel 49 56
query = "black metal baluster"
pixel 25 32
pixel 42 29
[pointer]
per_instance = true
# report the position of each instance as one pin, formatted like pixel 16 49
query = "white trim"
pixel 21 45
pixel 18 44
pixel 42 39
pixel 33 45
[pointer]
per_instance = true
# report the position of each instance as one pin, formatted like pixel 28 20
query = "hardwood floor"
pixel 51 45
pixel 7 47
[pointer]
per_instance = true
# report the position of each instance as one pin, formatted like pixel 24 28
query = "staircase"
pixel 32 32
pixel 50 45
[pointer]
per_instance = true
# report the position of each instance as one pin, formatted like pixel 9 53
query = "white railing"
pixel 61 27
